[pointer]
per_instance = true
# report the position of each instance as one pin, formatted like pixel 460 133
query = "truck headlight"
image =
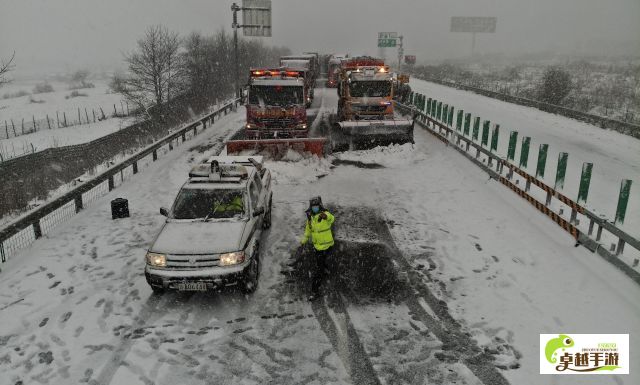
pixel 302 126
pixel 156 260
pixel 229 259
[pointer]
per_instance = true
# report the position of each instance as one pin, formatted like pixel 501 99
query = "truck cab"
pixel 365 89
pixel 303 67
pixel 276 104
pixel 211 237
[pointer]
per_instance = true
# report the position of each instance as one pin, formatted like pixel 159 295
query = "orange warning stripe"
pixel 542 208
pixel 562 198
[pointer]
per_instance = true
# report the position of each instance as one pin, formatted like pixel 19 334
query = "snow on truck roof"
pixel 278 82
pixel 294 63
pixel 298 57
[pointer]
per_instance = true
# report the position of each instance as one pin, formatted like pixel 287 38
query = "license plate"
pixel 192 286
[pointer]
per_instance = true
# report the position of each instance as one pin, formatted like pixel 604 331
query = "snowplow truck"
pixel 276 115
pixel 365 106
pixel 303 67
pixel 314 64
pixel 333 70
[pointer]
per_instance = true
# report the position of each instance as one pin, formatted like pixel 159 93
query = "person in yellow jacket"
pixel 233 205
pixel 318 230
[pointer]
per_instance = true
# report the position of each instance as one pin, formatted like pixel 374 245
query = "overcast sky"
pixel 62 35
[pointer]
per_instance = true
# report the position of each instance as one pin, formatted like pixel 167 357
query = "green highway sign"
pixel 387 39
pixel 386 43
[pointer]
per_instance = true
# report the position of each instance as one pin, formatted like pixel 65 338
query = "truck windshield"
pixel 370 88
pixel 281 96
pixel 203 203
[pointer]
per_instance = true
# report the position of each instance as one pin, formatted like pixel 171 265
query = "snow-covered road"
pixel 453 265
pixel 614 156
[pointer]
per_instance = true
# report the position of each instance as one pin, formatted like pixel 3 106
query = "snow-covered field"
pixel 57 101
pixel 614 156
pixel 74 307
pixel 52 104
pixel 66 136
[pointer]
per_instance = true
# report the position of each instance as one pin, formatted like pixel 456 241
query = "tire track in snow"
pixel 336 324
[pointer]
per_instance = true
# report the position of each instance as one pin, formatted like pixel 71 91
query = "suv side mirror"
pixel 258 211
pixel 164 211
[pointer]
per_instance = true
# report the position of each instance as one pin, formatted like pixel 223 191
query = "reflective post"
pixel 623 199
pixel 542 160
pixel 485 133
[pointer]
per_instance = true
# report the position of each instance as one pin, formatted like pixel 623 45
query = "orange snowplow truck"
pixel 365 105
pixel 276 113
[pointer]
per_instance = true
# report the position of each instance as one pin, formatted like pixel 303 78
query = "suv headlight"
pixel 230 259
pixel 156 260
pixel 301 126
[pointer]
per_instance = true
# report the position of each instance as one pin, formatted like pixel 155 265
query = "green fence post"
pixel 542 160
pixel 623 199
pixel 459 120
pixel 513 142
pixel 450 116
pixel 524 151
pixel 485 132
pixel 428 110
pixel 439 112
pixel 434 108
pixel 476 128
pixel 561 171
pixel 445 113
pixel 494 138
pixel 585 180
pixel 467 123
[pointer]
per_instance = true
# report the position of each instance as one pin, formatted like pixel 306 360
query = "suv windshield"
pixel 203 203
pixel 370 88
pixel 276 95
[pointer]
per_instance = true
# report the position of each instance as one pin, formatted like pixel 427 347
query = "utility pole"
pixel 235 8
pixel 400 54
pixel 473 44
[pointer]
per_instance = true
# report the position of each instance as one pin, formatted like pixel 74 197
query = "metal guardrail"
pixel 25 230
pixel 626 128
pixel 504 173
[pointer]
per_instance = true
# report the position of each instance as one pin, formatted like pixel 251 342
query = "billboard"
pixel 473 24
pixel 256 17
pixel 410 59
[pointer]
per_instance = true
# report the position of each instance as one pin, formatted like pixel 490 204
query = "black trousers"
pixel 321 257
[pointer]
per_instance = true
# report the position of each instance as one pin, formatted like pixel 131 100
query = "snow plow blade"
pixel 275 147
pixel 360 134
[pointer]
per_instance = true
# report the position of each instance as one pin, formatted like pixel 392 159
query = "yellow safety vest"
pixel 319 231
pixel 234 205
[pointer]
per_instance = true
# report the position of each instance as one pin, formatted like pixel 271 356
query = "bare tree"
pixel 5 68
pixel 155 69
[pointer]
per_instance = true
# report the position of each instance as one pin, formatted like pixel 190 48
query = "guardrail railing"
pixel 438 119
pixel 627 128
pixel 25 230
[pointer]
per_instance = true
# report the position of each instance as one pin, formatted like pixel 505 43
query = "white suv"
pixel 211 237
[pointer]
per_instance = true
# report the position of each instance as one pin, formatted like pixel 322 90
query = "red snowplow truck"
pixel 333 70
pixel 304 64
pixel 276 114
